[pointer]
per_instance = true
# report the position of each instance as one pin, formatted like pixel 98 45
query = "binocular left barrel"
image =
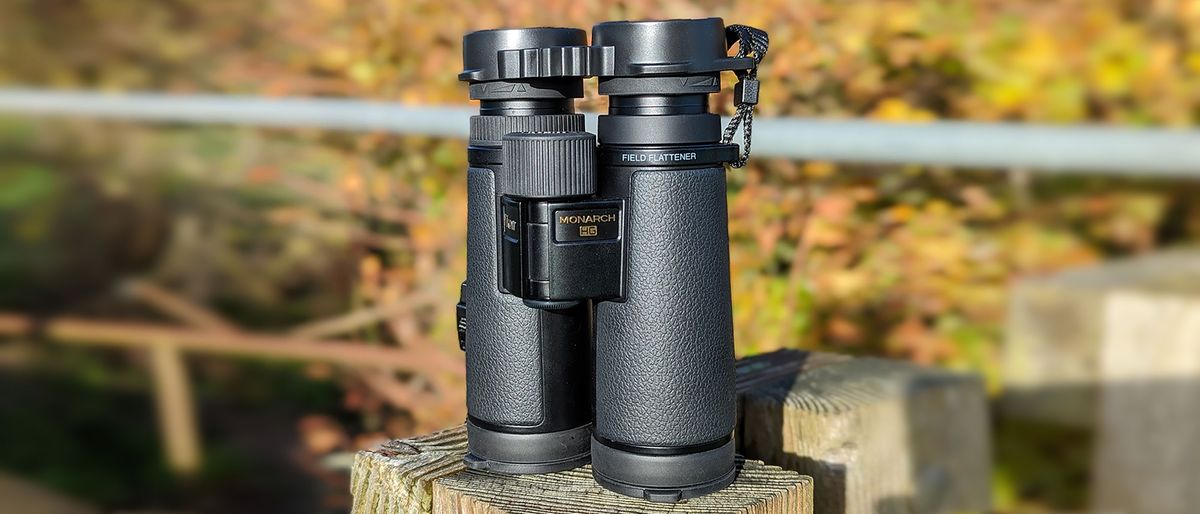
pixel 528 369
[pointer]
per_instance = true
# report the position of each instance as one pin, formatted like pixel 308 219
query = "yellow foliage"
pixel 819 169
pixel 895 109
pixel 1193 62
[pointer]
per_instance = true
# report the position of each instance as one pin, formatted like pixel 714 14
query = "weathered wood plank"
pixel 1116 349
pixel 759 489
pixel 877 436
pixel 398 477
pixel 426 475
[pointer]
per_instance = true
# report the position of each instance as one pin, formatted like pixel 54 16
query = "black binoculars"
pixel 596 313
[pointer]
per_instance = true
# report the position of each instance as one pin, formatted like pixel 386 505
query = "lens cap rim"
pixel 666 47
pixel 482 48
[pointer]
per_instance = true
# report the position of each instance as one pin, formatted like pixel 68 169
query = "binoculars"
pixel 596 313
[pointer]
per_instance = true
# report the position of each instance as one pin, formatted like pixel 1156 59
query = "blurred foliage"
pixel 278 226
pixel 910 262
pixel 1043 464
pixel 105 448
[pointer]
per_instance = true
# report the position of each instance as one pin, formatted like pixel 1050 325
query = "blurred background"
pixel 213 318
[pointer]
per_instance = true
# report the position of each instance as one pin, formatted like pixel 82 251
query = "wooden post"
pixel 1116 348
pixel 1147 455
pixel 176 409
pixel 1051 350
pixel 178 427
pixel 877 436
pixel 426 475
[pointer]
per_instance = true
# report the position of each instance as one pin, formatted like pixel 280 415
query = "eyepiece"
pixel 525 80
pixel 658 78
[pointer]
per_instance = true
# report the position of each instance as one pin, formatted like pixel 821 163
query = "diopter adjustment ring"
pixel 549 164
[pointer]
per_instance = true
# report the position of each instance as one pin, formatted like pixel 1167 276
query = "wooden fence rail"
pixel 207 332
pixel 352 353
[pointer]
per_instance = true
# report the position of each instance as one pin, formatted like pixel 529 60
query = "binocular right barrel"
pixel 665 408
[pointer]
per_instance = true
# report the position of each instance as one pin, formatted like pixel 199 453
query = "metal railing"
pixel 1045 148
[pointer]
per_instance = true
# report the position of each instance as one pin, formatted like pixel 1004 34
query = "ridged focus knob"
pixel 549 164
pixel 488 130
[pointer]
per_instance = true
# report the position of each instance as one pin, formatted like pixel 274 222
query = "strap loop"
pixel 751 42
